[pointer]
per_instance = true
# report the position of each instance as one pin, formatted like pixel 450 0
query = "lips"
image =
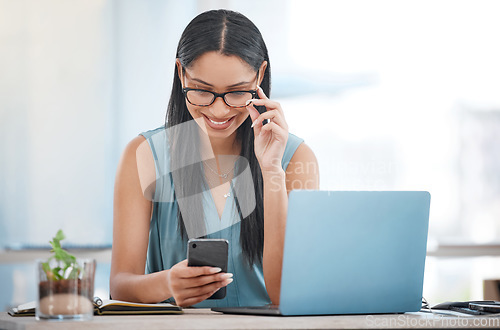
pixel 218 123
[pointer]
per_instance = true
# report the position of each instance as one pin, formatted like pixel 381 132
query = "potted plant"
pixel 65 286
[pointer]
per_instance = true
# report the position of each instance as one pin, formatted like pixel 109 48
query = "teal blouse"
pixel 166 247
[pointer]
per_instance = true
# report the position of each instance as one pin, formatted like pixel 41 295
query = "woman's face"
pixel 219 73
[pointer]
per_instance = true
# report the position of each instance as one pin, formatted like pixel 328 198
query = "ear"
pixel 262 69
pixel 179 71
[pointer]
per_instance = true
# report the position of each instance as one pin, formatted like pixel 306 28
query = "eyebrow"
pixel 230 86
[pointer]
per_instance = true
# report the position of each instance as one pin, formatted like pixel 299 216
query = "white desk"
pixel 205 319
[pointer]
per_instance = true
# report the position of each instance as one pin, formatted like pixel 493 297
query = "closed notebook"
pixel 115 307
pixel 109 307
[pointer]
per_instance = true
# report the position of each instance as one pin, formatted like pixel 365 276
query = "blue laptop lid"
pixel 354 252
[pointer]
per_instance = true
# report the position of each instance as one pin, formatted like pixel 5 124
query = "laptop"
pixel 351 252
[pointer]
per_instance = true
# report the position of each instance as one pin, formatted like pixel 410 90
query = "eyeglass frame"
pixel 216 95
pixel 185 90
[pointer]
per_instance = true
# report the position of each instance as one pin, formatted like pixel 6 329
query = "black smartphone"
pixel 492 307
pixel 209 252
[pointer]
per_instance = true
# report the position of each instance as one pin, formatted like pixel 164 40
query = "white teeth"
pixel 217 122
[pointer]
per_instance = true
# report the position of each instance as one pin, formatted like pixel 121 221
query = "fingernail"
pixel 253 124
pixel 225 276
pixel 215 270
pixel 259 87
pixel 229 280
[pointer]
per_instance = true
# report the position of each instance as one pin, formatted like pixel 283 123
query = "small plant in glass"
pixel 65 285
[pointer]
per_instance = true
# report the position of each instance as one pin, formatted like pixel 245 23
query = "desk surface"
pixel 205 319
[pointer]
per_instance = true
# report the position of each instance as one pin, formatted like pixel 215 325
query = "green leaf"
pixel 56 241
pixel 57 273
pixel 63 257
pixel 60 235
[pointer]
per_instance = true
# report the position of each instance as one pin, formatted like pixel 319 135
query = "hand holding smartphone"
pixel 209 252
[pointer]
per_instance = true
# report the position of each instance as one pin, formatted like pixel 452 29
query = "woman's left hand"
pixel 270 139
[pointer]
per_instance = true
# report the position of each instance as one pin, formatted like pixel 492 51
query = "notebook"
pixel 351 252
pixel 108 307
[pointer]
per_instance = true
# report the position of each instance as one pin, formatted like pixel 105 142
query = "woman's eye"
pixel 239 93
pixel 202 93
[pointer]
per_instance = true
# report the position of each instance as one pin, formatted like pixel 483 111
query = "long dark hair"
pixel 229 33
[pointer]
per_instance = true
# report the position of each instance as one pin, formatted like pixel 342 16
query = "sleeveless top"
pixel 167 248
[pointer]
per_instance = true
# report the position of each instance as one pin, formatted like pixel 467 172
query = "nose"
pixel 219 108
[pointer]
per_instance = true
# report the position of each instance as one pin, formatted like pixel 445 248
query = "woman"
pixel 190 178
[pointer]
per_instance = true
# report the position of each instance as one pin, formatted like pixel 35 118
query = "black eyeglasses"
pixel 204 98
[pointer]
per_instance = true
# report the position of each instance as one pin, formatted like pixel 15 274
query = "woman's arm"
pixel 270 143
pixel 302 173
pixel 131 217
pixel 132 214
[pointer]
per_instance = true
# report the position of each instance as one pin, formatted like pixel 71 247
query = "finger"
pixel 281 134
pixel 202 293
pixel 261 93
pixel 254 114
pixel 269 104
pixel 204 280
pixel 194 300
pixel 273 115
pixel 200 290
pixel 195 271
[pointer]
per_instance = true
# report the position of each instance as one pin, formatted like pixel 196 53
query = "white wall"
pixel 79 80
pixel 57 137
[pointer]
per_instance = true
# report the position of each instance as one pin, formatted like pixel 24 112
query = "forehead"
pixel 220 70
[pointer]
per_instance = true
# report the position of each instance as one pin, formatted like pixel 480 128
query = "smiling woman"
pixel 220 167
pixel 213 72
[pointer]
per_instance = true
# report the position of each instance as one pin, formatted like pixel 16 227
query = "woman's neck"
pixel 221 146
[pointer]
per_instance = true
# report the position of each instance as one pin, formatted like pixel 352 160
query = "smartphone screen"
pixel 209 252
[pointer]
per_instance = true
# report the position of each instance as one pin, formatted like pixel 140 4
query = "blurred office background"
pixel 391 95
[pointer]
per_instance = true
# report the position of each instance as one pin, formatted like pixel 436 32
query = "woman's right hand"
pixel 191 285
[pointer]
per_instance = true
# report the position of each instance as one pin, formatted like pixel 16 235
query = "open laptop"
pixel 351 252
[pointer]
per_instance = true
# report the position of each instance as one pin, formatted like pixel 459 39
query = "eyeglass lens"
pixel 205 98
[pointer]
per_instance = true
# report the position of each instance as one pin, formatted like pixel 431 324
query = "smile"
pixel 219 122
pixel 218 125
